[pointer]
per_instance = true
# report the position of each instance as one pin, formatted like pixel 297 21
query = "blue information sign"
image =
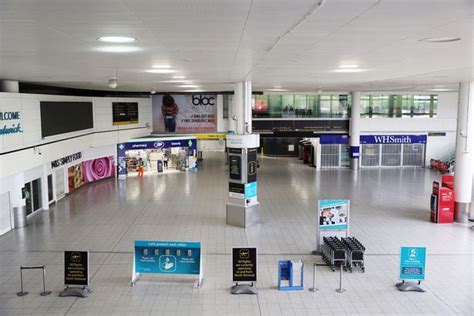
pixel 167 257
pixel 412 263
pixel 250 190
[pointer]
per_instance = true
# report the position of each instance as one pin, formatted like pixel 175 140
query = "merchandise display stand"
pixel 290 275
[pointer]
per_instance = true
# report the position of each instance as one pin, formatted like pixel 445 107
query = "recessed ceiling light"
pixel 176 81
pixel 348 70
pixel 349 66
pixel 189 86
pixel 161 66
pixel 161 71
pixel 276 89
pixel 441 39
pixel 117 39
pixel 441 89
pixel 118 49
pixel 179 77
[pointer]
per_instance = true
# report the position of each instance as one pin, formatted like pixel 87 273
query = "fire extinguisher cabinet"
pixel 442 202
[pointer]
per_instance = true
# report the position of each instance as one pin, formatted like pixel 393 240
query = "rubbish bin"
pixel 19 216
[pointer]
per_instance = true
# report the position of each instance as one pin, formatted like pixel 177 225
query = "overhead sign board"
pixel 393 139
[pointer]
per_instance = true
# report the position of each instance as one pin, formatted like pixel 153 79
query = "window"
pixel 398 106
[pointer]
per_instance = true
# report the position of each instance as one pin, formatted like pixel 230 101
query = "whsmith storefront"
pixel 377 151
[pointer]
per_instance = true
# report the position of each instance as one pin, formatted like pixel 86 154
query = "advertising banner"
pixel 412 263
pixel 89 171
pixel 191 113
pixel 333 214
pixel 244 264
pixel 76 268
pixel 333 220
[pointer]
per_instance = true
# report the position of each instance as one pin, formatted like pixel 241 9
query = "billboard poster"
pixel 190 113
pixel 89 171
pixel 412 263
pixel 333 214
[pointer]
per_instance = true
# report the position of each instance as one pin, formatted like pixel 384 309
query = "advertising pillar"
pixel 354 131
pixel 464 153
pixel 243 208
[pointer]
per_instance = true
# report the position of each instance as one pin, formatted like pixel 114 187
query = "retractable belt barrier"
pixel 23 292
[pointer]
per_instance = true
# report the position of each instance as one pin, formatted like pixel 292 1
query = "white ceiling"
pixel 290 43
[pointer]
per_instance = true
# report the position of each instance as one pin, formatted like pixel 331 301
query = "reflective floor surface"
pixel 389 208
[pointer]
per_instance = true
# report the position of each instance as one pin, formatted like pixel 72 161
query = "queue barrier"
pixel 23 292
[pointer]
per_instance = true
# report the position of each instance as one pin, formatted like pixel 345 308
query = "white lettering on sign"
pixel 386 139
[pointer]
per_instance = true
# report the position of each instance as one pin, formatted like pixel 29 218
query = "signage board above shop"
pixel 393 139
pixel 65 160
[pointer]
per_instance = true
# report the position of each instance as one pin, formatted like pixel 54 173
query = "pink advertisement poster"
pixel 98 169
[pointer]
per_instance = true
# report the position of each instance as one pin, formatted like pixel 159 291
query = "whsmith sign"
pixel 10 126
pixel 393 139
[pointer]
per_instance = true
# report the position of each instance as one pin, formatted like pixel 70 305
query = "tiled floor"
pixel 388 209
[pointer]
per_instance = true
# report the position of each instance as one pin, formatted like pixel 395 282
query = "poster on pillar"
pixel 184 113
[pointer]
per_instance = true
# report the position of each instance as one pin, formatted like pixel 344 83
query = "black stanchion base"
pixel 244 289
pixel 21 293
pixel 409 287
pixel 76 291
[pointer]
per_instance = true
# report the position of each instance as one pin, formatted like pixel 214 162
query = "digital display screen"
pixel 59 117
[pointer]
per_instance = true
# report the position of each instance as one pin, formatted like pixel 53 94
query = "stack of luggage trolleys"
pixel 355 253
pixel 346 252
pixel 334 252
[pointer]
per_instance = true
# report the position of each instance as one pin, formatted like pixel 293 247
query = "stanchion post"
pixel 44 293
pixel 340 289
pixel 314 288
pixel 21 293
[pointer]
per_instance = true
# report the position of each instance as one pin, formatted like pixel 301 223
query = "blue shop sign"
pixel 412 263
pixel 393 139
pixel 333 139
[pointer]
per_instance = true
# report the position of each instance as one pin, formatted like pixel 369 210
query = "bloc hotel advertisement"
pixel 191 113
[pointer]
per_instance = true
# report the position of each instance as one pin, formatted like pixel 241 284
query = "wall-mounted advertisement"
pixel 192 113
pixel 90 171
pixel 124 113
pixel 10 123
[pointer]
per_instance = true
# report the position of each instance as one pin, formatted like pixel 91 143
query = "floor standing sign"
pixel 412 268
pixel 244 269
pixel 76 273
pixel 333 220
pixel 167 257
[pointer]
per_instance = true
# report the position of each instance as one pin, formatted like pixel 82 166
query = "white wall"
pixel 438 147
pixel 27 156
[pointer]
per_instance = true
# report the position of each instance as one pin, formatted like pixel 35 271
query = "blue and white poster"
pixel 412 263
pixel 167 257
pixel 333 214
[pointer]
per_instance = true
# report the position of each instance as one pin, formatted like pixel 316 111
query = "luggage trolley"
pixel 355 254
pixel 334 252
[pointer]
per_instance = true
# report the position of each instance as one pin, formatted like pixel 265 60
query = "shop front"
pixel 148 156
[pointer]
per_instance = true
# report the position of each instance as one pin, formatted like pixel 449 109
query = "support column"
pixel 354 131
pixel 9 86
pixel 242 107
pixel 44 189
pixel 464 153
pixel 243 208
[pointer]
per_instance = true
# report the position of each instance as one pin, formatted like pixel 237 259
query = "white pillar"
pixel 354 131
pixel 464 153
pixel 242 107
pixel 44 189
pixel 9 86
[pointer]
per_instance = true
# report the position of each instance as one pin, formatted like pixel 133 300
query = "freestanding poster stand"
pixel 76 274
pixel 412 267
pixel 167 257
pixel 333 220
pixel 244 269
